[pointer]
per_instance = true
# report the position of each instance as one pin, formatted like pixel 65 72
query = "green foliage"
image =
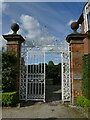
pixel 86 76
pixel 83 102
pixel 50 63
pixel 53 72
pixel 9 98
pixel 0 98
pixel 50 69
pixel 9 72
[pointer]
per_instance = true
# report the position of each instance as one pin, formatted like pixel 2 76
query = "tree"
pixel 50 71
pixel 54 72
pixel 50 63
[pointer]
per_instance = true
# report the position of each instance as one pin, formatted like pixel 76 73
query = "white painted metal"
pixel 66 81
pixel 22 90
pixel 26 74
pixel 44 77
pixel 86 14
pixel 32 78
pixel 34 82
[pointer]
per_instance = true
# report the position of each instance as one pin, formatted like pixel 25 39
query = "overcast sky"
pixel 41 23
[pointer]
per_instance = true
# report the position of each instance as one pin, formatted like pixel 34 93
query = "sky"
pixel 41 23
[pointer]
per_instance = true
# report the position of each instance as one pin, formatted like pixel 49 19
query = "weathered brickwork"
pixel 77 50
pixel 86 46
pixel 14 48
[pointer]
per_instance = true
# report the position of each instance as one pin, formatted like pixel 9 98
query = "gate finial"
pixel 74 26
pixel 15 28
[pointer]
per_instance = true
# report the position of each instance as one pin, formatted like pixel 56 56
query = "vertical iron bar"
pixel 41 63
pixel 38 67
pixel 27 74
pixel 20 75
pixel 62 87
pixel 41 88
pixel 69 71
pixel 44 76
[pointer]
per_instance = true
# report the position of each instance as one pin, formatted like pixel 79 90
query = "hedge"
pixel 10 72
pixel 9 98
pixel 0 98
pixel 86 76
pixel 84 101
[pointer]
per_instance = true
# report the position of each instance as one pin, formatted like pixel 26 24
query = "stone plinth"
pixel 14 43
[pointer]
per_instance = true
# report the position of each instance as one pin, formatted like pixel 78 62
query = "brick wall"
pixel 77 50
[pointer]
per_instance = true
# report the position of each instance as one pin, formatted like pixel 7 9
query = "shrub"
pixel 0 98
pixel 10 98
pixel 83 102
pixel 86 76
pixel 9 72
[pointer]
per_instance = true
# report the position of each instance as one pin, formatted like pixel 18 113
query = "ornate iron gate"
pixel 32 72
pixel 66 80
pixel 32 75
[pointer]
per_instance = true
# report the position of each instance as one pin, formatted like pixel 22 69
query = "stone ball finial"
pixel 75 26
pixel 15 28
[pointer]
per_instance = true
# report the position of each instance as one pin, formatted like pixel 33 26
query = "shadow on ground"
pixel 52 94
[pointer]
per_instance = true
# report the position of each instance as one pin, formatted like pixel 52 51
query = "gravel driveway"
pixel 42 110
pixel 52 108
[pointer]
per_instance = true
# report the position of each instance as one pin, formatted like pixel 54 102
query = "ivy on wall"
pixel 86 76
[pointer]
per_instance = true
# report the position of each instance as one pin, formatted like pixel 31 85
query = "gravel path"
pixel 51 109
pixel 42 110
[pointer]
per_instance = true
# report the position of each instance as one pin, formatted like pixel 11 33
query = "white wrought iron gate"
pixel 32 75
pixel 64 51
pixel 66 80
pixel 32 72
